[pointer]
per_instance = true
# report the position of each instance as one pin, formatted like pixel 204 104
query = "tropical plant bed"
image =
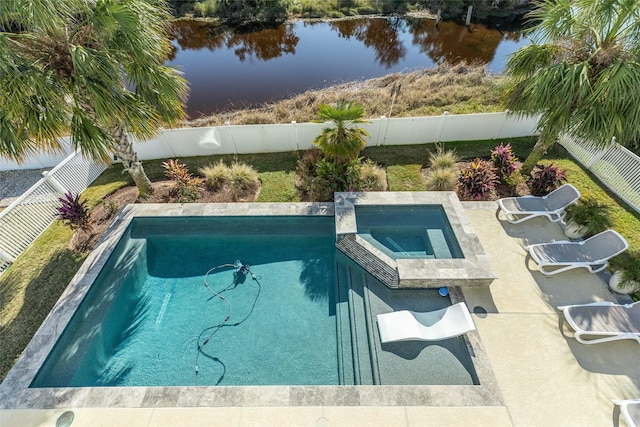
pixel 103 213
pixel 499 191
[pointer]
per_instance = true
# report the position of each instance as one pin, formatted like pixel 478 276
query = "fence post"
pixel 294 135
pixel 600 154
pixel 504 120
pixel 54 183
pixel 442 124
pixel 381 119
pixel 227 125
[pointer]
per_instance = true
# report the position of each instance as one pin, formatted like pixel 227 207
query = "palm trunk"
pixel 540 149
pixel 124 151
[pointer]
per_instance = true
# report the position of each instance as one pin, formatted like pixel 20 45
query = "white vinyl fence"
pixel 29 215
pixel 25 219
pixel 245 139
pixel 615 166
pixel 41 160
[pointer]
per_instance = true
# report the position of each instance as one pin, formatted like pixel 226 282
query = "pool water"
pixel 153 308
pixel 408 231
pixel 303 315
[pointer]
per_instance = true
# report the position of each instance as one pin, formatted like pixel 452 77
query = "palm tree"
pixel 584 75
pixel 343 141
pixel 89 68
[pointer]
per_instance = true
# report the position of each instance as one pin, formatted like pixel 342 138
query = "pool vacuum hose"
pixel 241 271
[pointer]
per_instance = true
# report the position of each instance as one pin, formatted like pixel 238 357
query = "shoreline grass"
pixel 458 89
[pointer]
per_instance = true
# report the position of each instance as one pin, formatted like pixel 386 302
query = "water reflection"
pixel 231 69
pixel 264 45
pixel 378 34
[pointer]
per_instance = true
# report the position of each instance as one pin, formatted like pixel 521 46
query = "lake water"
pixel 230 70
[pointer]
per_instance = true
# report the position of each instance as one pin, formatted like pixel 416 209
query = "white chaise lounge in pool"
pixel 436 325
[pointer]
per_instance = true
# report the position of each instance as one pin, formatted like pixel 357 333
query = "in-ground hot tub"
pixel 411 239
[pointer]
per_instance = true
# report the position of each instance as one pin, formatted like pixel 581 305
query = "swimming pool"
pixel 227 301
pixel 396 374
pixel 150 320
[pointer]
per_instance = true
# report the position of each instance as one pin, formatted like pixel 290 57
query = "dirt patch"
pixel 103 213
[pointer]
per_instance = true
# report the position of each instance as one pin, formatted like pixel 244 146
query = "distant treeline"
pixel 259 12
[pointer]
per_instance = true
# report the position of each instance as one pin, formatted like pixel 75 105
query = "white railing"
pixel 615 166
pixel 29 215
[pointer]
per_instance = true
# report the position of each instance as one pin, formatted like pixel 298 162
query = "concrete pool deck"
pixel 544 375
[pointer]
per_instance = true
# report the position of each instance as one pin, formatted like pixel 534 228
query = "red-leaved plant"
pixel 477 180
pixel 546 178
pixel 74 212
pixel 504 160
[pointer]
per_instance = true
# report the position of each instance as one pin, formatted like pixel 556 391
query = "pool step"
pixel 370 262
pixel 354 353
pixel 346 366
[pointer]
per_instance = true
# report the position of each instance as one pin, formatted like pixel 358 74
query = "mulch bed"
pixel 103 213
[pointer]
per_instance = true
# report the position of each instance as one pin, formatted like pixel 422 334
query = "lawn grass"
pixel 625 219
pixel 30 288
pixel 32 285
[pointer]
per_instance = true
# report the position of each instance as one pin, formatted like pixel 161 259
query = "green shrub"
pixel 517 182
pixel 111 207
pixel 204 8
pixel 590 213
pixel 441 179
pixel 372 177
pixel 244 180
pixel 216 175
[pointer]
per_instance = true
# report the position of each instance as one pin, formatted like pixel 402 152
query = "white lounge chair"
pixel 553 205
pixel 436 325
pixel 603 321
pixel 630 410
pixel 593 253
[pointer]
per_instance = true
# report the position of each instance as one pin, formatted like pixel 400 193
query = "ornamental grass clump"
pixel 545 178
pixel 216 175
pixel 372 177
pixel 441 180
pixel 74 212
pixel 243 180
pixel 477 180
pixel 442 159
pixel 443 173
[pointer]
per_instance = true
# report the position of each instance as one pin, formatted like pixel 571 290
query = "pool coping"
pixel 16 394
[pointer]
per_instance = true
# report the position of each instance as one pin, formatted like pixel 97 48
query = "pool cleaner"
pixel 240 273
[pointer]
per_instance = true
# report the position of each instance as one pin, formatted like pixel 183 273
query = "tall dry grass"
pixel 458 89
